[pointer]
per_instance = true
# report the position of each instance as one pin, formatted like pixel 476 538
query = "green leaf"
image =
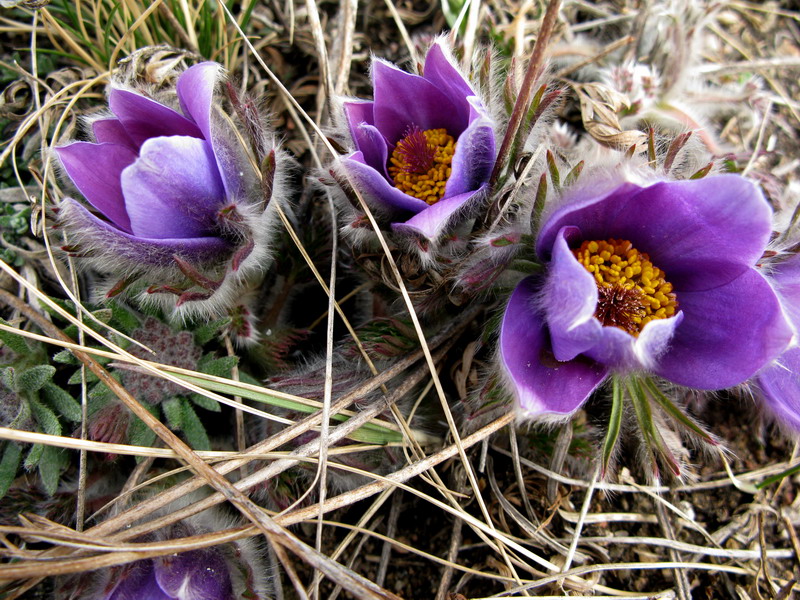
pixel 538 203
pixel 140 434
pixel 369 433
pixel 8 377
pixel 193 428
pixel 33 379
pixel 555 176
pixel 676 413
pixel 76 379
pixel 207 403
pixel 62 401
pixel 65 357
pixel 173 411
pixel 614 423
pixel 50 465
pixel 205 333
pixel 573 175
pixel 14 342
pixel 9 465
pixel 34 454
pixel 123 319
pixel 218 367
pixel 768 481
pixel 45 417
pixel 103 315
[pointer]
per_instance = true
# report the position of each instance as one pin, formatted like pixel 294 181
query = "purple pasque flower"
pixel 179 206
pixel 659 278
pixel 779 383
pixel 424 147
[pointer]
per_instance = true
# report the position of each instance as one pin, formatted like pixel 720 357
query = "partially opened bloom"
pixel 424 147
pixel 779 383
pixel 178 205
pixel 658 278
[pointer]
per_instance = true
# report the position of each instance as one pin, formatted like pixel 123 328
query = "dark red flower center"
pixel 420 163
pixel 631 291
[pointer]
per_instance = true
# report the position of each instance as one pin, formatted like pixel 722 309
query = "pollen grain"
pixel 420 163
pixel 631 290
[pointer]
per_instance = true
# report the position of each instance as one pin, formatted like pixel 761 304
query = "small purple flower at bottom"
pixel 659 278
pixel 194 575
pixel 424 147
pixel 779 383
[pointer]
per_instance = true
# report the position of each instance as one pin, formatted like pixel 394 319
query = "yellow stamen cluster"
pixel 633 291
pixel 420 163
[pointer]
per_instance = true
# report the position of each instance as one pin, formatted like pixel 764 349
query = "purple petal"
pixel 378 191
pixel 441 72
pixel 194 575
pixel 174 189
pixel 786 275
pixel 357 112
pixel 727 334
pixel 655 339
pixel 542 384
pixel 99 238
pixel 435 219
pixel 112 131
pixel 703 233
pixel 618 349
pixel 780 387
pixel 136 582
pixel 96 170
pixel 372 145
pixel 474 158
pixel 144 118
pixel 569 301
pixel 196 93
pixel 403 100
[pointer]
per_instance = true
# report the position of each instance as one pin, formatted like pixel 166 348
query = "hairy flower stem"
pixel 523 102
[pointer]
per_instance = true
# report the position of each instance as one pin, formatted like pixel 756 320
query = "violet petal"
pixel 95 169
pixel 569 301
pixel 144 118
pixel 136 582
pixel 194 575
pixel 780 388
pixel 403 100
pixel 173 190
pixel 435 219
pixel 702 233
pixel 786 275
pixel 441 73
pixel 112 131
pixel 196 93
pixel 357 112
pixel 473 159
pixel 543 385
pixel 727 334
pixel 101 238
pixel 372 145
pixel 379 193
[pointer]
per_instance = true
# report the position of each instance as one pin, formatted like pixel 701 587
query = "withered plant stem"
pixel 279 537
pixel 523 102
